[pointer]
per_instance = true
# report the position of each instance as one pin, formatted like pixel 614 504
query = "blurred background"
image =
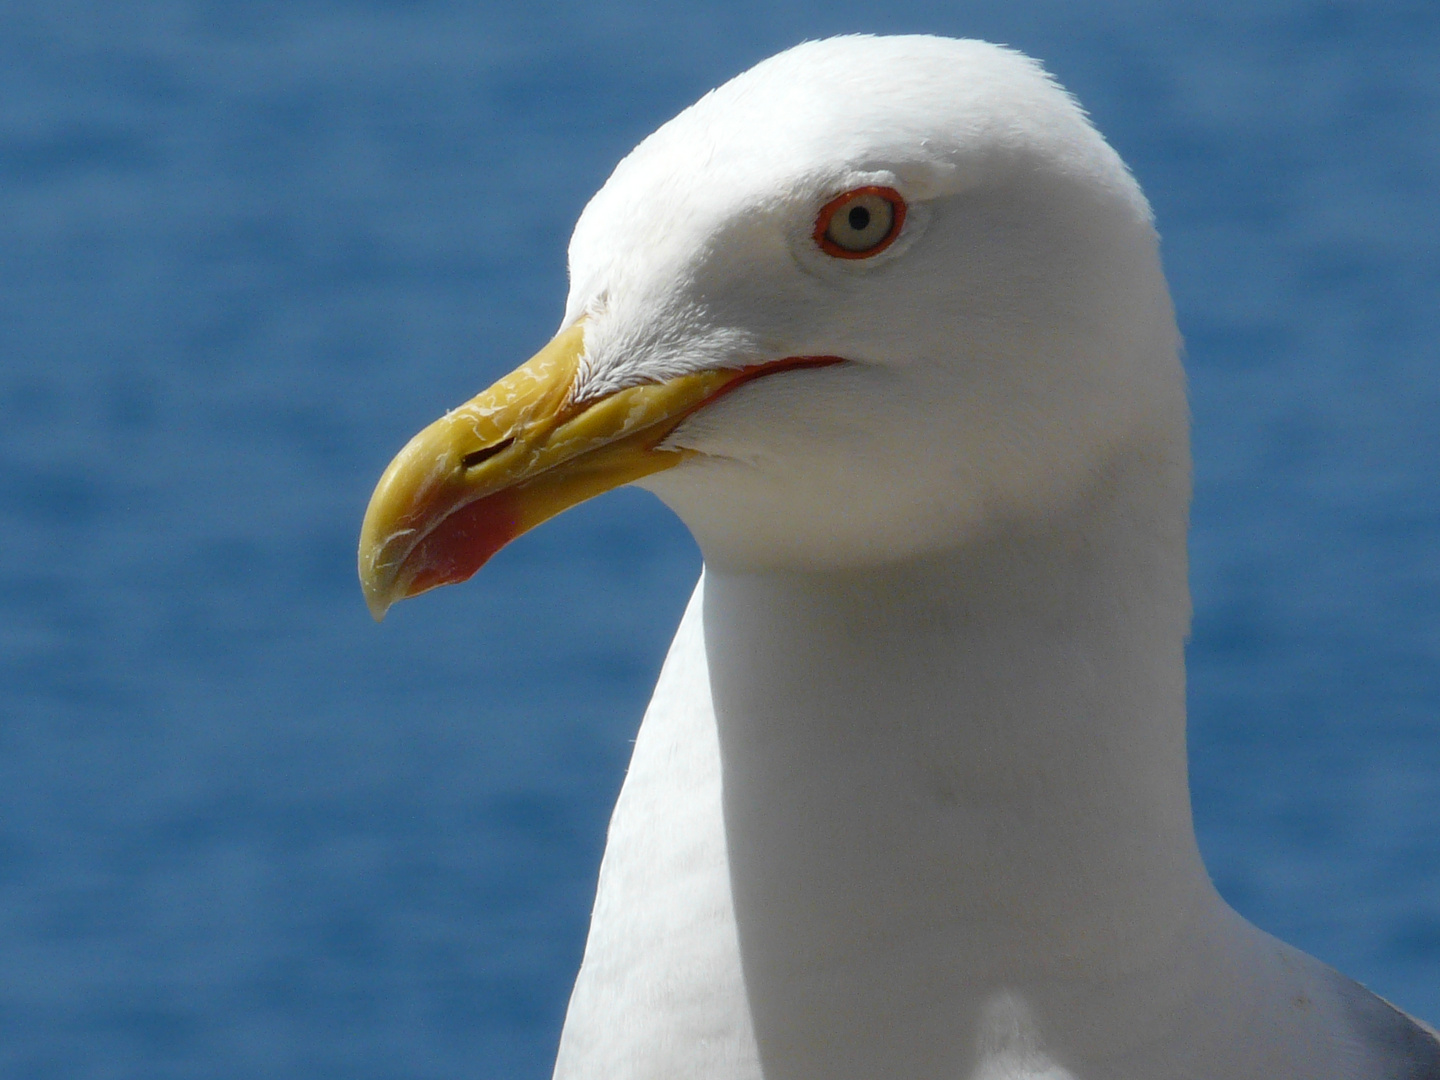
pixel 248 247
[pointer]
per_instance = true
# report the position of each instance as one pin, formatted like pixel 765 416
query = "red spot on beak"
pixel 464 542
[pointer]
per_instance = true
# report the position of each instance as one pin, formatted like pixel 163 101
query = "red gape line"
pixel 750 374
pixel 768 367
pixel 827 214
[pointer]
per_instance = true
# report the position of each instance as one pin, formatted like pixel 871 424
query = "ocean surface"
pixel 248 248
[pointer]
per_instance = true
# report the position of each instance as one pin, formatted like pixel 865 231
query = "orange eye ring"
pixel 825 221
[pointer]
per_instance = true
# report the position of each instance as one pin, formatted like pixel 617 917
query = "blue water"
pixel 246 249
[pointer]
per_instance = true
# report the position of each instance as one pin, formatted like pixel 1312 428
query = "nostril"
pixel 475 457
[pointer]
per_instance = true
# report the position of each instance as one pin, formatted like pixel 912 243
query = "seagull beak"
pixel 517 455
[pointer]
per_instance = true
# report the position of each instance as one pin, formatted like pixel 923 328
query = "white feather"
pixel 910 800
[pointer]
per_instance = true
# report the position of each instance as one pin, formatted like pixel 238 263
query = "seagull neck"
pixel 985 748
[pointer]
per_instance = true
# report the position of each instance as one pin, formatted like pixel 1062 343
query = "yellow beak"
pixel 517 455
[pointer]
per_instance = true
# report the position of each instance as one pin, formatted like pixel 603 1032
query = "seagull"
pixel 883 320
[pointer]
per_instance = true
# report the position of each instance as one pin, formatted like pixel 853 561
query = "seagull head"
pixel 861 303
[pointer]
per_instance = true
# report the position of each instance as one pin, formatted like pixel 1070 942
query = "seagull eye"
pixel 860 223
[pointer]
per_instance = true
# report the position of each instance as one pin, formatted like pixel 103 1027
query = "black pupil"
pixel 858 217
